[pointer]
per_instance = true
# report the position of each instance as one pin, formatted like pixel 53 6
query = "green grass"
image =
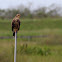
pixel 52 27
pixel 33 27
pixel 6 52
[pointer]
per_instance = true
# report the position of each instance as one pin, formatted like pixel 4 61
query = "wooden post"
pixel 15 49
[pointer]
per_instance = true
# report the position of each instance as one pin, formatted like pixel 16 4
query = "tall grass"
pixel 30 53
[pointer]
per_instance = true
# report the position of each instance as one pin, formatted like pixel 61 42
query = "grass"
pixel 50 27
pixel 6 53
pixel 32 27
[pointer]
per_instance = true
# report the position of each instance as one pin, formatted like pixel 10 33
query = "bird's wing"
pixel 18 23
pixel 12 24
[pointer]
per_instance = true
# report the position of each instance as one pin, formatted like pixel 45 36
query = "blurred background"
pixel 30 8
pixel 40 36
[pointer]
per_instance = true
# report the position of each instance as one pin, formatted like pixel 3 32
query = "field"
pixel 46 47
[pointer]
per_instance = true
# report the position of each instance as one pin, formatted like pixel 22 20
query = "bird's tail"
pixel 14 34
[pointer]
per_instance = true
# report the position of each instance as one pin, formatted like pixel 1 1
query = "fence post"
pixel 15 49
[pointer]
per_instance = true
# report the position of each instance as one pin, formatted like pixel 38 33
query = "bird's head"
pixel 18 15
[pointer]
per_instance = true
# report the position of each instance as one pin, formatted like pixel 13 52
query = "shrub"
pixel 34 50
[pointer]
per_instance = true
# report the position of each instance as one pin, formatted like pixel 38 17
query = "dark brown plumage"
pixel 16 24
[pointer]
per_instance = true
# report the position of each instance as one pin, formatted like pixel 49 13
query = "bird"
pixel 16 24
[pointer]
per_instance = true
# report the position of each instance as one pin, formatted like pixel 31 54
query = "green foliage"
pixel 34 50
pixel 47 51
pixel 27 52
